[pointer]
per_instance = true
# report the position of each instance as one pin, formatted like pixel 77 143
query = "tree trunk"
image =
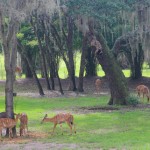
pixel 136 70
pixel 21 50
pixel 27 69
pixel 50 56
pixel 117 81
pixel 82 64
pixel 36 28
pixel 41 92
pixel 90 65
pixel 72 85
pixel 59 83
pixel 135 57
pixel 10 64
pixel 44 63
pixel 8 38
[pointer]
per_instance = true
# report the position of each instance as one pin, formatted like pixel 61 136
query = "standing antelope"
pixel 8 123
pixel 142 89
pixel 18 71
pixel 98 83
pixel 59 119
pixel 23 124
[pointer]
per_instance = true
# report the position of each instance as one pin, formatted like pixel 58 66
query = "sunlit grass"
pixel 2 70
pixel 63 73
pixel 100 130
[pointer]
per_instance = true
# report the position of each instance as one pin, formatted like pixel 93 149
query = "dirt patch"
pixel 39 146
pixel 28 87
pixel 30 142
pixel 28 138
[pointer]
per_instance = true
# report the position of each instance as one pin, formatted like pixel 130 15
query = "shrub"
pixel 132 100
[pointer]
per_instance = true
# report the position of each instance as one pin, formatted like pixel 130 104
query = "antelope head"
pixel 44 118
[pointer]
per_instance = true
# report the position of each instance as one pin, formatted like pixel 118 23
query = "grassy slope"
pixel 117 129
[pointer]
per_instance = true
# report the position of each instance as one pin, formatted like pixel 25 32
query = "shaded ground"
pixel 27 87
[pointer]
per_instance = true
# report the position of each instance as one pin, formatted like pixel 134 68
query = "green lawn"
pixel 64 74
pixel 114 129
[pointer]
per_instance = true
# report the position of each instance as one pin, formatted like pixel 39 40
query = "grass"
pixel 64 74
pixel 115 129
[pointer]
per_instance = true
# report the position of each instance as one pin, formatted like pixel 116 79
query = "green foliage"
pixel 132 100
pixel 32 43
pixel 20 35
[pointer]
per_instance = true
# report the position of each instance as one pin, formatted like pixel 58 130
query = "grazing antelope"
pixel 59 119
pixel 23 124
pixel 142 89
pixel 98 83
pixel 18 71
pixel 8 123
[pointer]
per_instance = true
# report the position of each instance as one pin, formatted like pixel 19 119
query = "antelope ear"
pixel 46 115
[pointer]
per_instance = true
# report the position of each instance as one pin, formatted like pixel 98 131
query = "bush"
pixel 132 100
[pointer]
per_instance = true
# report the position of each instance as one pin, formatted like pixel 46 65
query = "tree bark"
pixel 117 81
pixel 135 58
pixel 36 28
pixel 21 50
pixel 27 69
pixel 72 85
pixel 82 64
pixel 90 65
pixel 8 38
pixel 10 63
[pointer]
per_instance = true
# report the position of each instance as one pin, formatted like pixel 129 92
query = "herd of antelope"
pixel 8 123
pixel 57 119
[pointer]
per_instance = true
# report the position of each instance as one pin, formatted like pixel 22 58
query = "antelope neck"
pixel 49 119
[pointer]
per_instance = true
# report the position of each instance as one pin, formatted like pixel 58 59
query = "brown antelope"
pixel 142 89
pixel 97 45
pixel 59 119
pixel 18 71
pixel 8 123
pixel 23 124
pixel 98 83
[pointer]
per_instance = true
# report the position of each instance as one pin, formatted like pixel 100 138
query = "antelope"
pixel 142 89
pixel 23 124
pixel 98 83
pixel 18 71
pixel 59 119
pixel 3 115
pixel 97 45
pixel 8 123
